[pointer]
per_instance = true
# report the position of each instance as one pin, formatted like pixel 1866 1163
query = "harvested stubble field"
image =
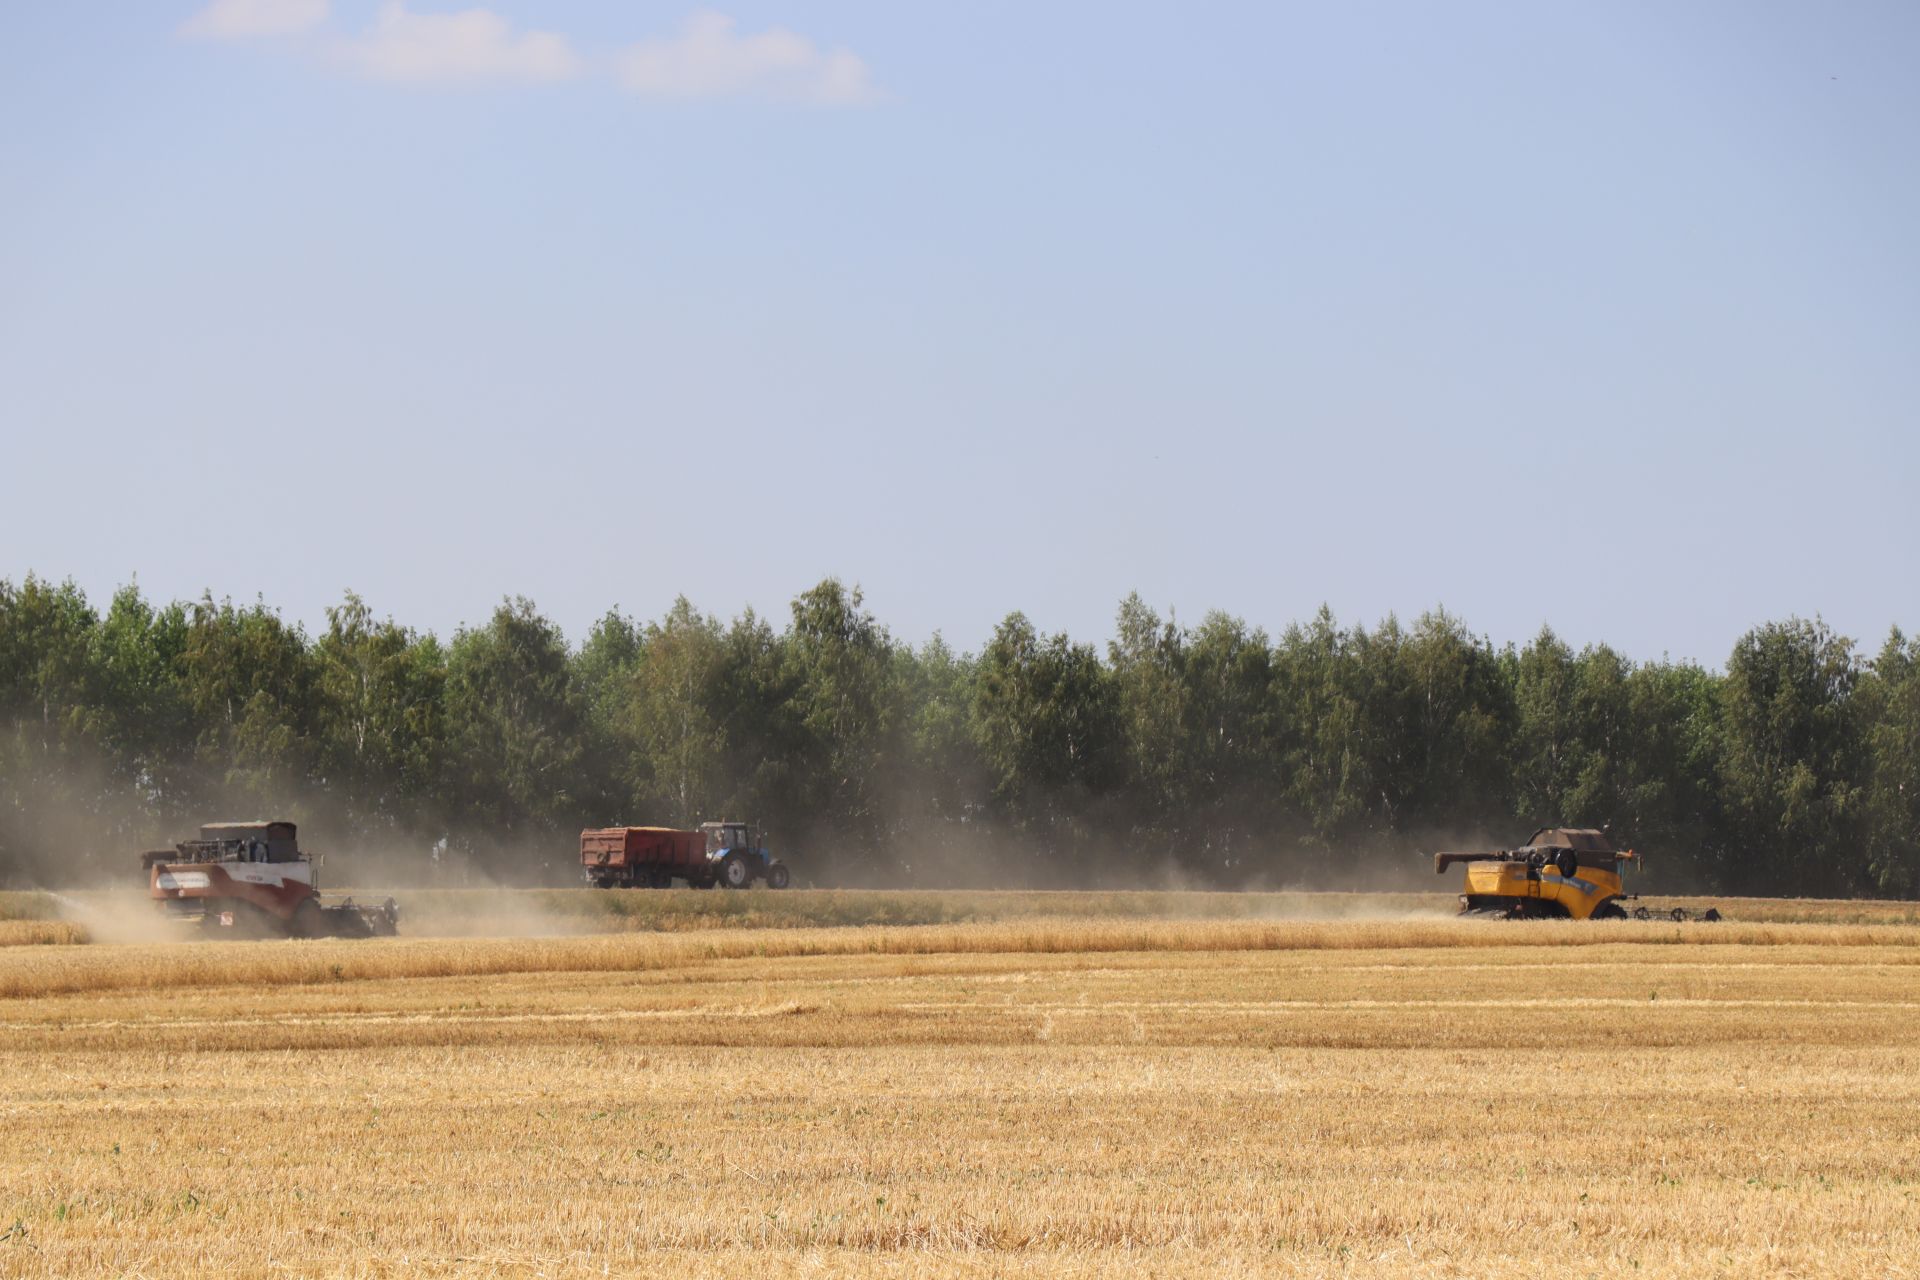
pixel 1026 1097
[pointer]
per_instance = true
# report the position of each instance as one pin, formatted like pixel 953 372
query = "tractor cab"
pixel 725 836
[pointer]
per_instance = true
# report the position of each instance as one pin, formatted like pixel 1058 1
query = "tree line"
pixel 1213 755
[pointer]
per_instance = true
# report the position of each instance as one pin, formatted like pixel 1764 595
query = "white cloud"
pixel 469 46
pixel 709 58
pixel 242 19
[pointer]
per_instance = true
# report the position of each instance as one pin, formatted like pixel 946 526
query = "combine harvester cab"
pixel 251 880
pixel 719 853
pixel 1559 873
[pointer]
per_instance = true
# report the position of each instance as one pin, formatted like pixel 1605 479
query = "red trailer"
pixel 644 857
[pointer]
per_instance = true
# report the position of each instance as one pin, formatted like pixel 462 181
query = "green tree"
pixel 1046 721
pixel 1890 694
pixel 1673 813
pixel 514 747
pixel 1328 749
pixel 1148 661
pixel 679 750
pixel 613 765
pixel 248 679
pixel 942 779
pixel 1790 768
pixel 1547 748
pixel 840 664
pixel 1457 719
pixel 52 770
pixel 378 718
pixel 144 724
pixel 1241 825
pixel 764 770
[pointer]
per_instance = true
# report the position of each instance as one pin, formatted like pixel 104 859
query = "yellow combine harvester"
pixel 1559 873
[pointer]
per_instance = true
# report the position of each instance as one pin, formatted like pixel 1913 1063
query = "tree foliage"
pixel 1208 755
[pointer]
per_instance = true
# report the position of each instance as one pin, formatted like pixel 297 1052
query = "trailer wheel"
pixel 659 878
pixel 778 877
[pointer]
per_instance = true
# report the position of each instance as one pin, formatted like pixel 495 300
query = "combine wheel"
pixel 1713 914
pixel 1609 911
pixel 1568 862
pixel 778 877
pixel 1641 913
pixel 306 922
pixel 1678 915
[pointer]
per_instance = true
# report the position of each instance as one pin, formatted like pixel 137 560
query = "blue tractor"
pixel 737 861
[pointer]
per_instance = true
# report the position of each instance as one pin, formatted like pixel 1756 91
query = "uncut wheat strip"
pixel 26 972
pixel 40 933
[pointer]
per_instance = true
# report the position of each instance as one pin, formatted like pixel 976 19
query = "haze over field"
pixel 1599 317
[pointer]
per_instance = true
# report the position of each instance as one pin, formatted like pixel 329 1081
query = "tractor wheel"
pixel 735 873
pixel 778 877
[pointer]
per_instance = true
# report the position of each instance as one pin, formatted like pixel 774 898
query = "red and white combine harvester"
pixel 250 880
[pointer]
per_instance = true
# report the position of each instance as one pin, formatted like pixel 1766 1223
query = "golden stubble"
pixel 1045 1098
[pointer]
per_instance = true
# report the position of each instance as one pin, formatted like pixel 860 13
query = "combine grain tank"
pixel 251 880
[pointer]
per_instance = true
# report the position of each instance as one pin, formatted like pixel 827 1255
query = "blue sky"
pixel 1598 315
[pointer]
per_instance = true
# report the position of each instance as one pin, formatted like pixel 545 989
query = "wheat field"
pixel 1033 1097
